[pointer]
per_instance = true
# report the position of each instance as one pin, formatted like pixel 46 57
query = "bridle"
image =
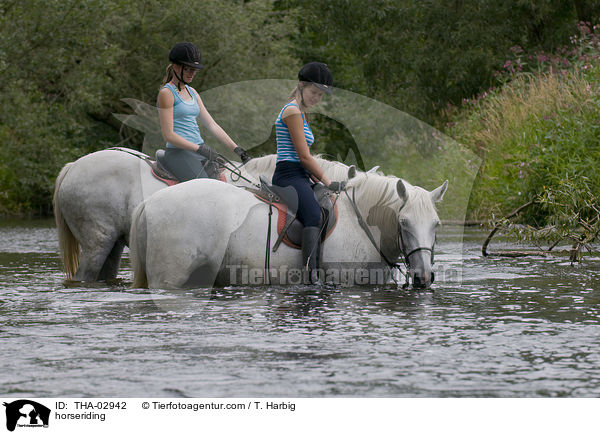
pixel 413 251
pixel 399 240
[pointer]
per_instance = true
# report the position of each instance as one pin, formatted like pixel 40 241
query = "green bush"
pixel 540 137
pixel 65 65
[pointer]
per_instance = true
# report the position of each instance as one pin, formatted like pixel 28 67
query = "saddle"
pixel 285 199
pixel 160 172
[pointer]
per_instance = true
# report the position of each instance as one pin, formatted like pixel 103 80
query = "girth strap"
pixel 267 278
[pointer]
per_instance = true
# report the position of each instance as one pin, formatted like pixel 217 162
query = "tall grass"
pixel 535 129
pixel 539 135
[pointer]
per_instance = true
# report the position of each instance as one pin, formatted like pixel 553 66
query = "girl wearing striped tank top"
pixel 295 166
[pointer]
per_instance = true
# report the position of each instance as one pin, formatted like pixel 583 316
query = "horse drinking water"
pixel 203 233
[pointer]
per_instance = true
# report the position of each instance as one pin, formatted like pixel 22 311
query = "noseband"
pixel 408 255
pixel 413 251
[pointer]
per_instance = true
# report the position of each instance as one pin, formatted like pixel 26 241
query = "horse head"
pixel 417 226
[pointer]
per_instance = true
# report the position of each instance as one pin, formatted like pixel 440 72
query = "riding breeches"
pixel 292 173
pixel 186 165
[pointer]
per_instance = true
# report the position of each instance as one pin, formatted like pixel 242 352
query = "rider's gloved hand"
pixel 207 152
pixel 337 186
pixel 242 154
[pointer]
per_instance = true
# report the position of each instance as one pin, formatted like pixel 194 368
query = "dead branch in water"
pixel 499 224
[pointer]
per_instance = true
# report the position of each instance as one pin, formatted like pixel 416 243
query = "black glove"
pixel 242 154
pixel 337 186
pixel 207 152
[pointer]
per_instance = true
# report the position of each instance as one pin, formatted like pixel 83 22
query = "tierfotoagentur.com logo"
pixel 25 413
pixel 344 274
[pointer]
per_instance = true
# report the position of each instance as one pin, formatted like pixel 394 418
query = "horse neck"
pixel 379 204
pixel 375 191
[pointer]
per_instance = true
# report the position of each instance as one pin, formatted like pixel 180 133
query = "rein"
pixel 236 171
pixel 140 155
pixel 365 228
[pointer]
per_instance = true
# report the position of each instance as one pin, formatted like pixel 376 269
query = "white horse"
pixel 94 199
pixel 205 233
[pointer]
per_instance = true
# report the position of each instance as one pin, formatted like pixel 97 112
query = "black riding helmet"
pixel 318 74
pixel 186 53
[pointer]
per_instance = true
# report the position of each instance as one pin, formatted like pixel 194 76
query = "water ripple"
pixel 512 327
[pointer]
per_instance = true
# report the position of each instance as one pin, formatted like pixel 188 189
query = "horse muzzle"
pixel 422 280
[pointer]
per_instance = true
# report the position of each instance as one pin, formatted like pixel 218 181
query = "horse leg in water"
pixel 96 263
pixel 113 261
pixel 189 267
pixel 188 254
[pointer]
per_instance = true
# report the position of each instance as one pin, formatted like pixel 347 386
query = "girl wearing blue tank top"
pixel 187 157
pixel 295 166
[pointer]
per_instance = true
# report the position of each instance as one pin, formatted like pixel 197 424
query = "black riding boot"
pixel 310 253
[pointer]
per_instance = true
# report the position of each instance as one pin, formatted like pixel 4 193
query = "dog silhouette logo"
pixel 26 413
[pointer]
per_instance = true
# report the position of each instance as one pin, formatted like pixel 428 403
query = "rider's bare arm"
pixel 215 129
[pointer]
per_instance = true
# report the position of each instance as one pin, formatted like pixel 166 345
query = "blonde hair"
pixel 168 75
pixel 292 96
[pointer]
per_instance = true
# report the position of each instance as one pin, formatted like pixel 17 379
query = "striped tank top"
pixel 285 146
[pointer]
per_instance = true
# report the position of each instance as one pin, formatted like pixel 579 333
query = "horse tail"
pixel 68 244
pixel 137 246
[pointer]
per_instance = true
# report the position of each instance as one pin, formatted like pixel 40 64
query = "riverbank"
pixel 538 135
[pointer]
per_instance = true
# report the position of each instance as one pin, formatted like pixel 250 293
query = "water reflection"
pixel 512 328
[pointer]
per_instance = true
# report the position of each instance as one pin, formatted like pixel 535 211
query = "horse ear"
pixel 351 172
pixel 401 189
pixel 373 169
pixel 438 194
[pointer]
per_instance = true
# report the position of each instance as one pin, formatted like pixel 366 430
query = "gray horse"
pixel 203 233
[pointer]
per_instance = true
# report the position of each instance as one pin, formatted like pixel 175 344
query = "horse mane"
pixel 259 165
pixel 335 170
pixel 375 190
pixel 372 189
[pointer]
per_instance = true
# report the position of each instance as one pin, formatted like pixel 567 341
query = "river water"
pixel 512 327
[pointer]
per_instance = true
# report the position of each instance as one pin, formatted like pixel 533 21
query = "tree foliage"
pixel 540 136
pixel 66 65
pixel 420 56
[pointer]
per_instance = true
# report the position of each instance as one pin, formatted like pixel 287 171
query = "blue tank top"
pixel 285 146
pixel 184 116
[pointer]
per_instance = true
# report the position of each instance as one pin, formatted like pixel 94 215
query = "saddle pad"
pixel 162 175
pixel 296 226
